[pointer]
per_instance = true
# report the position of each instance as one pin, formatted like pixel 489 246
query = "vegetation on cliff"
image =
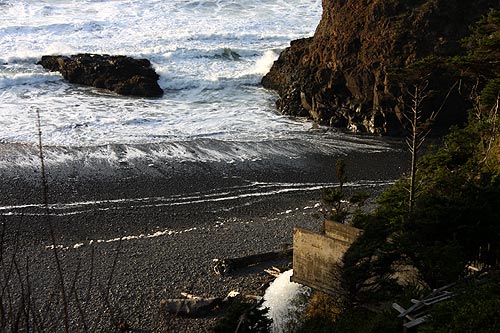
pixel 453 224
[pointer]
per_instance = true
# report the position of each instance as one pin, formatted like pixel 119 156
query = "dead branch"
pixel 49 223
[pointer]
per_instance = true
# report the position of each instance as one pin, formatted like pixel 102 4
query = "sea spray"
pixel 264 63
pixel 286 301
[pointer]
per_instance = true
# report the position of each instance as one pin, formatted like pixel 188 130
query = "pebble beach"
pixel 150 230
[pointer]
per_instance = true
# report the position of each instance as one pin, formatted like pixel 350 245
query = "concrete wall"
pixel 341 232
pixel 316 256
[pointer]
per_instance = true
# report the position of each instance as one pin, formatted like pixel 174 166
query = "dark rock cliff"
pixel 351 73
pixel 121 74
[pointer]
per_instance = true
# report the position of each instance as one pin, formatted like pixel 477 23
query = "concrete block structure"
pixel 317 256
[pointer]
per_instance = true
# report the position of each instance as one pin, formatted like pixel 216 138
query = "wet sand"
pixel 156 225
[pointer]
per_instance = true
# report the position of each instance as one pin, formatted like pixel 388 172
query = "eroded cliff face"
pixel 350 74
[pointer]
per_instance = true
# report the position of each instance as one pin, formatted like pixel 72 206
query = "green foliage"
pixel 456 212
pixel 359 198
pixel 371 323
pixel 490 93
pixel 475 308
pixel 481 62
pixel 477 69
pixel 459 199
pixel 357 320
pixel 251 317
pixel 427 64
pixel 441 72
pixel 338 207
pixel 332 196
pixel 316 325
pixel 484 42
pixel 368 264
pixel 333 200
pixel 393 204
pixel 455 219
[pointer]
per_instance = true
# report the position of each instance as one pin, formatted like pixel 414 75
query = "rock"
pixel 350 74
pixel 121 74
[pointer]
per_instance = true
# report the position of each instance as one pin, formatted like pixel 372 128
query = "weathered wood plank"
pixel 414 307
pixel 416 322
pixel 398 308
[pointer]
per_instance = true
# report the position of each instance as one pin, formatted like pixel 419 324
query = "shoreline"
pixel 188 213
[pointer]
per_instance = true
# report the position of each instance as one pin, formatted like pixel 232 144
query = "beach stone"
pixel 121 74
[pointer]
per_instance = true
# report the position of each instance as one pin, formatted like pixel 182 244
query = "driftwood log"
pixel 194 306
pixel 225 266
pixel 190 307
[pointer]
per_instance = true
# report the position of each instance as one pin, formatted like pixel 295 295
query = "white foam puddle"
pixel 286 301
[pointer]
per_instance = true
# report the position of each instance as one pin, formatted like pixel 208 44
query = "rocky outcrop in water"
pixel 352 73
pixel 121 74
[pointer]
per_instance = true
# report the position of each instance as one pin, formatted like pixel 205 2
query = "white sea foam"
pixel 20 79
pixel 264 63
pixel 197 149
pixel 286 302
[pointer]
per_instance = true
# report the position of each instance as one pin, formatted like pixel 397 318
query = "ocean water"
pixel 210 55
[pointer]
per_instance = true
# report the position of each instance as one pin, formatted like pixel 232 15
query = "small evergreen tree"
pixel 337 206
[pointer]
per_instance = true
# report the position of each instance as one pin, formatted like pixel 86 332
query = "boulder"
pixel 121 74
pixel 351 73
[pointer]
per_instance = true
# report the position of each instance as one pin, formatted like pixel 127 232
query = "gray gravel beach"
pixel 156 224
